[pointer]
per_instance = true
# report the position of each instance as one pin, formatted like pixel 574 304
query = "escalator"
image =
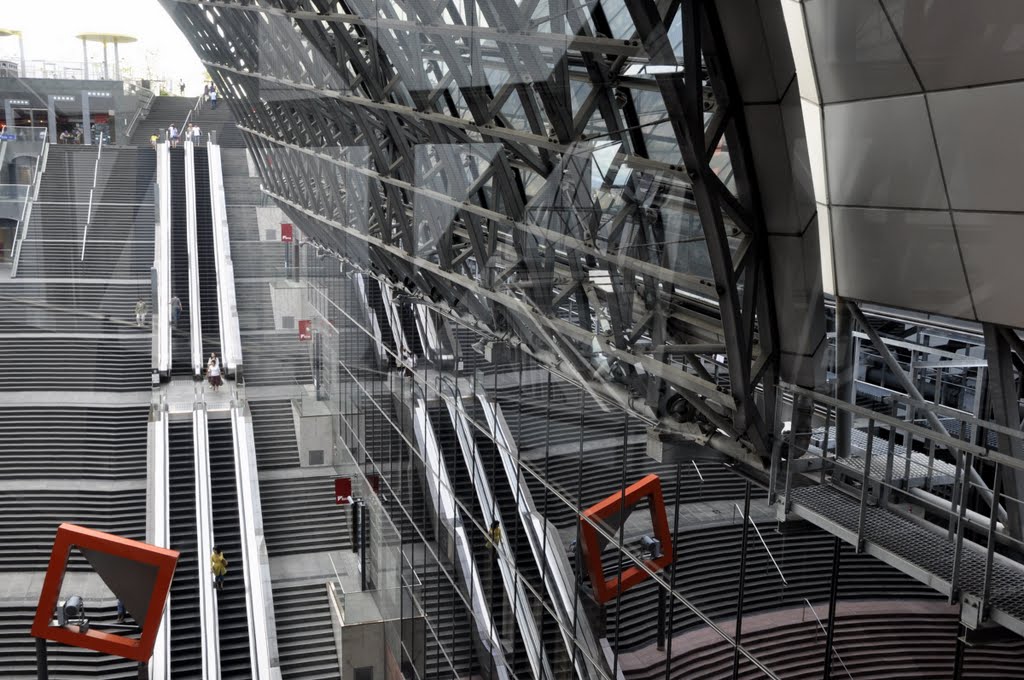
pixel 376 300
pixel 452 624
pixel 232 619
pixel 186 642
pixel 407 315
pixel 207 261
pixel 514 535
pixel 181 354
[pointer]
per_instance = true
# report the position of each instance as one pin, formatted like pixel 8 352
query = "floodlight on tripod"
pixel 72 611
pixel 650 548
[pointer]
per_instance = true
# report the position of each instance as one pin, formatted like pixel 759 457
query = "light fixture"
pixel 72 611
pixel 650 547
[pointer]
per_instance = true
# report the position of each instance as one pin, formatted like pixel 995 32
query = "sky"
pixel 49 29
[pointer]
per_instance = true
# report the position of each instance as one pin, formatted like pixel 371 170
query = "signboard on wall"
pixel 305 330
pixel 286 233
pixel 343 491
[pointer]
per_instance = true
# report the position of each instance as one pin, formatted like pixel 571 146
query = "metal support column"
pixel 958 659
pixel 106 69
pixel 117 62
pixel 42 668
pixel 844 375
pixel 1002 400
pixel 85 60
pixel 743 575
pixel 832 594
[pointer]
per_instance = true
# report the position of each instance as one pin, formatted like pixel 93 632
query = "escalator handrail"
pixel 227 309
pixel 361 283
pixel 162 263
pixel 446 509
pixel 205 540
pixel 514 588
pixel 195 316
pixel 255 563
pixel 549 555
pixel 159 530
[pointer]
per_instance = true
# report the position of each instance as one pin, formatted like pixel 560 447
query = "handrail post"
pixel 954 584
pixel 865 485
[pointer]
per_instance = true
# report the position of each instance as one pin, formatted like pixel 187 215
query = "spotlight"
pixel 650 547
pixel 72 611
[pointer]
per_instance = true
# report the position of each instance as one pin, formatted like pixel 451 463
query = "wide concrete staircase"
pixel 305 634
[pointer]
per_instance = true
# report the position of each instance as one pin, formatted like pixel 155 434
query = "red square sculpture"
pixel 138 573
pixel 606 589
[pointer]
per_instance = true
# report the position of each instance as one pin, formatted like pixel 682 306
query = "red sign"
pixel 305 330
pixel 343 491
pixel 286 232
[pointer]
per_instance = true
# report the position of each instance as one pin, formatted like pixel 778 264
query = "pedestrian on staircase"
pixel 219 567
pixel 213 98
pixel 206 92
pixel 154 139
pixel 140 313
pixel 181 87
pixel 197 135
pixel 172 136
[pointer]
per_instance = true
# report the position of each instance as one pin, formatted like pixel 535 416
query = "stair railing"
pixel 195 108
pixel 145 104
pixel 92 190
pixel 30 197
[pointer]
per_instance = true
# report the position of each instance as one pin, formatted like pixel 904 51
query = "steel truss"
pixel 525 171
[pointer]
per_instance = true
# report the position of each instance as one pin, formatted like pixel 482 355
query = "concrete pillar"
pixel 85 60
pixel 51 119
pixel 21 50
pixel 117 62
pixel 86 115
pixel 8 113
pixel 106 70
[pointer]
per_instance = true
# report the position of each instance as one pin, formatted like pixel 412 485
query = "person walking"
pixel 219 567
pixel 140 313
pixel 206 93
pixel 120 611
pixel 188 133
pixel 181 87
pixel 175 311
pixel 213 98
pixel 213 371
pixel 197 135
pixel 172 136
pixel 154 139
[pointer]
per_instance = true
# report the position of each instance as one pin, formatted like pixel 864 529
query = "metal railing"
pixel 902 467
pixel 30 197
pixel 145 104
pixel 92 191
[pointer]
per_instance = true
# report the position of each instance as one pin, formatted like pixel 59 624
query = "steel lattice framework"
pixel 576 178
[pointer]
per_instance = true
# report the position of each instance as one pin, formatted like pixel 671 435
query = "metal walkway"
pixel 918 552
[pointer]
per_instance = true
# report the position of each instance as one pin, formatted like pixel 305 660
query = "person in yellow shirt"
pixel 153 139
pixel 219 567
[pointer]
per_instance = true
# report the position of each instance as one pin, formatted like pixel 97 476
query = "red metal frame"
pixel 69 536
pixel 606 589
